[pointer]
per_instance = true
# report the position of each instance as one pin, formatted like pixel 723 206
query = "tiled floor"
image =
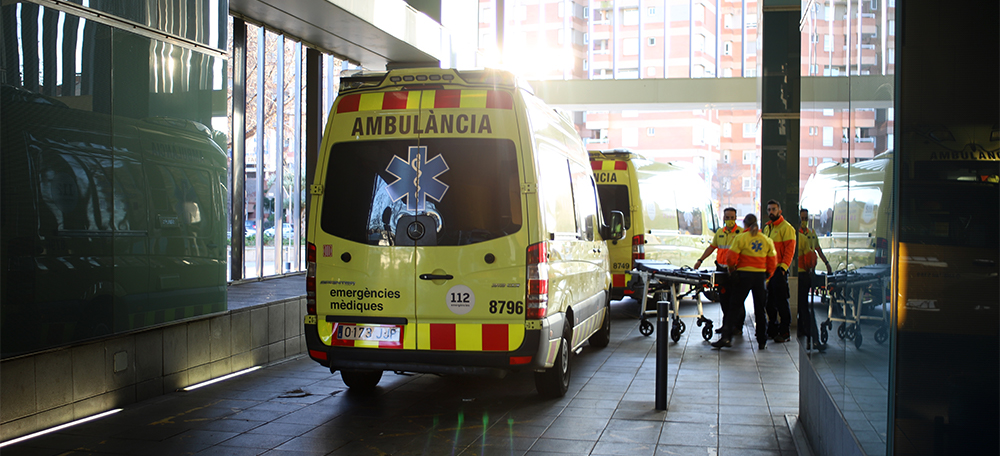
pixel 721 402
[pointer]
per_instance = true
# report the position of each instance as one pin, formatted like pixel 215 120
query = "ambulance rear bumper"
pixel 495 364
pixel 531 355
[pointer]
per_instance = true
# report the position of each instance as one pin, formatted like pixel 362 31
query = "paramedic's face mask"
pixel 804 217
pixel 729 219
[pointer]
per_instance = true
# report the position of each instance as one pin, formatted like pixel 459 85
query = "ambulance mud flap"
pixel 552 329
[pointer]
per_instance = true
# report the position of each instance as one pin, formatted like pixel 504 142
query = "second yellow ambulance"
pixel 668 212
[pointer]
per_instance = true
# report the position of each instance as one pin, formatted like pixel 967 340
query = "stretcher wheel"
pixel 852 331
pixel 842 330
pixel 881 334
pixel 675 331
pixel 645 328
pixel 857 336
pixel 824 335
pixel 706 332
pixel 683 326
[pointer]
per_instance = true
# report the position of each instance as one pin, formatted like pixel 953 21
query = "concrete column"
pixel 779 86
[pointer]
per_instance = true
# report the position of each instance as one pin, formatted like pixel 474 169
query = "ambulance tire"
pixel 554 381
pixel 602 337
pixel 361 381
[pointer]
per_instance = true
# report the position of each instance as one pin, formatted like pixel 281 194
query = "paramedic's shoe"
pixel 722 343
pixel 778 339
pixel 761 345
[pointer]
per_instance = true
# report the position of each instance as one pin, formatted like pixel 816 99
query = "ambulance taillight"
pixel 638 247
pixel 538 282
pixel 310 278
pixel 881 251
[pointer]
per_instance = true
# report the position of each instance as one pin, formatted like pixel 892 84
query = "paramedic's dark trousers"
pixel 806 318
pixel 777 304
pixel 744 284
pixel 725 291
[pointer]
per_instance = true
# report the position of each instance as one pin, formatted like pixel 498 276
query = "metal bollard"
pixel 662 336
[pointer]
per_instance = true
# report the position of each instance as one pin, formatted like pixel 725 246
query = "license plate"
pixel 378 333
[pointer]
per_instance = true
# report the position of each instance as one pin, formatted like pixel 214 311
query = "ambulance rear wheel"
pixel 362 381
pixel 554 381
pixel 602 337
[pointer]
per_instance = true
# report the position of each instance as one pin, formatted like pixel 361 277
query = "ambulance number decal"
pixel 506 307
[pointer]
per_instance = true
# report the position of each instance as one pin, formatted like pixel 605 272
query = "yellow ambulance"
pixel 454 228
pixel 668 213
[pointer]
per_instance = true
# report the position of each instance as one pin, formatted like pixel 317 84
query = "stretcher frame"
pixel 845 290
pixel 669 277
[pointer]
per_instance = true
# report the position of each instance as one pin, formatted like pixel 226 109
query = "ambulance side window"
pixel 841 209
pixel 659 207
pixel 555 191
pixel 689 220
pixel 615 198
pixel 585 199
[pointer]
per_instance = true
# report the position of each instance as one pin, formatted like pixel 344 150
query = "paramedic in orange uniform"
pixel 808 250
pixel 722 240
pixel 752 259
pixel 783 236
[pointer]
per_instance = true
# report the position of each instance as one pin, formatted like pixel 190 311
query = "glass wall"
pixel 274 172
pixel 947 368
pixel 114 181
pixel 847 171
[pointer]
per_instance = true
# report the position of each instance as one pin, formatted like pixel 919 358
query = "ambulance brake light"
pixel 881 251
pixel 310 278
pixel 537 296
pixel 638 247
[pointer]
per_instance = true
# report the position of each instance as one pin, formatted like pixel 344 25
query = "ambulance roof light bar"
pixel 489 77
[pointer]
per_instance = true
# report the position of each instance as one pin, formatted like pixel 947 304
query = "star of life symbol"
pixel 756 246
pixel 417 178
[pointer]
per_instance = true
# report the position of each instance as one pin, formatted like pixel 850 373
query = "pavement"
pixel 733 401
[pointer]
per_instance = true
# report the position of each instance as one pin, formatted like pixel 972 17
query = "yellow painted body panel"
pixel 462 296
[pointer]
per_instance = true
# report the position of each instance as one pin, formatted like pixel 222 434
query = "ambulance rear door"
pixel 615 193
pixel 465 214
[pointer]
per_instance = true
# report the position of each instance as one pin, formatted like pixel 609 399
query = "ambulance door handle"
pixel 436 276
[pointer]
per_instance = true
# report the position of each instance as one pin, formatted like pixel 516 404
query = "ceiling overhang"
pixel 372 33
pixel 709 93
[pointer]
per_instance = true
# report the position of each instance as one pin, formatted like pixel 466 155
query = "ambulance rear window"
pixel 469 187
pixel 615 198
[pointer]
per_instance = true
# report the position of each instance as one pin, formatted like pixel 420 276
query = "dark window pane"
pixel 470 187
pixel 615 198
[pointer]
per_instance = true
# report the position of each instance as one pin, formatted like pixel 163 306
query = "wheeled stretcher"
pixel 662 279
pixel 851 293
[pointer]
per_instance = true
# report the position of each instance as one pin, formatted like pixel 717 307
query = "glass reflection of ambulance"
pixel 668 213
pixel 454 228
pixel 850 211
